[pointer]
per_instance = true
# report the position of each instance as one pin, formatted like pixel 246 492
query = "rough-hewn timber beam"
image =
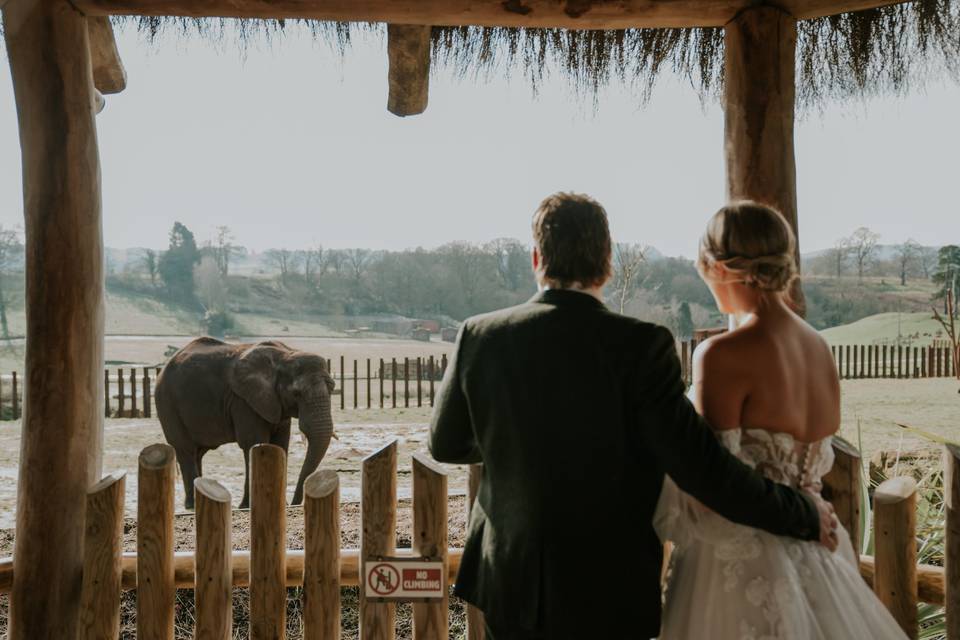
pixel 49 54
pixel 109 76
pixel 408 47
pixel 570 14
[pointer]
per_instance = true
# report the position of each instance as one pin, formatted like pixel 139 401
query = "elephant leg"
pixel 188 469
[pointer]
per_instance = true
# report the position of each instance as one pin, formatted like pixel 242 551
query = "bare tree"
pixel 11 261
pixel 513 261
pixel 151 262
pixel 839 254
pixel 863 247
pixel 907 255
pixel 358 260
pixel 285 261
pixel 927 260
pixel 627 259
pixel 210 288
pixel 949 323
pixel 223 249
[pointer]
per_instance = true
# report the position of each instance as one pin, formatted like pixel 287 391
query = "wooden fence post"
pixel 863 361
pixel 102 550
pixel 155 580
pixel 381 382
pixel 476 628
pixel 268 542
pixel 133 392
pixel 430 620
pixel 106 393
pixel 147 399
pixel 856 370
pixel 914 371
pixel 356 395
pixel 895 525
pixel 842 488
pixel 369 398
pixel 847 363
pixel 213 587
pixel 433 375
pixel 343 386
pixel 923 362
pixel 378 522
pixel 939 362
pixel 406 382
pixel 121 400
pixel 393 382
pixel 321 568
pixel 900 361
pixel 419 382
pixel 840 362
pixel 951 492
pixel 16 397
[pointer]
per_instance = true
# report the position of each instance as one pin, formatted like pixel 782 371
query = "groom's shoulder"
pixel 641 330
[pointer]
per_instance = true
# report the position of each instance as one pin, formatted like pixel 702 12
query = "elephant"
pixel 211 393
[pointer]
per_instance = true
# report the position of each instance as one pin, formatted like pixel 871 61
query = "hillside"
pixel 884 328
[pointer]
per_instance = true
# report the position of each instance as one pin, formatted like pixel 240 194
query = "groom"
pixel 576 414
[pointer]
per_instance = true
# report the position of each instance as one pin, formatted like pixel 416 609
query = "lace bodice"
pixel 780 457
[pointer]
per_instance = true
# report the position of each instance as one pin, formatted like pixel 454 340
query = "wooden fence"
pixel 155 571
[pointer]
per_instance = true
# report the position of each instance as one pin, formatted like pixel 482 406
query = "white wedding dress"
pixel 731 582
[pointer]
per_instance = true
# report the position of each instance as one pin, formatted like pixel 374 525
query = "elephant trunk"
pixel 316 423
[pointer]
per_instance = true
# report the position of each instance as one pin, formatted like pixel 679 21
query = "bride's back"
pixel 779 372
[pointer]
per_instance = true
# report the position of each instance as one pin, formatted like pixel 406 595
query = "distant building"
pixel 448 334
pixel 429 325
pixel 422 335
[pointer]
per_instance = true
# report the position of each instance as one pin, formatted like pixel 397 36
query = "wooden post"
pixel 433 375
pixel 133 392
pixel 406 382
pixel 863 361
pixel 856 370
pixel 147 400
pixel 381 383
pixel 213 589
pixel 408 49
pixel 343 387
pixel 840 362
pixel 842 487
pixel 847 363
pixel 419 382
pixel 915 371
pixel 15 397
pixel 47 47
pixel 476 628
pixel 356 398
pixel 883 369
pixel 430 620
pixel 268 542
pixel 321 570
pixel 951 493
pixel 895 524
pixel 102 571
pixel 923 361
pixel 900 361
pixel 369 399
pixel 760 48
pixel 939 362
pixel 443 364
pixel 120 394
pixel 155 578
pixel 393 383
pixel 378 521
pixel 106 393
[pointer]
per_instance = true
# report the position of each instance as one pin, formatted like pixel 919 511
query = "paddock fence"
pixel 321 568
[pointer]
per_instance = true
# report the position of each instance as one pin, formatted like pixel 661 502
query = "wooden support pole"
pixel 147 399
pixel 15 396
pixel 356 396
pixel 895 525
pixel 321 567
pixel 369 396
pixel 406 382
pixel 121 394
pixel 155 579
pixel 109 76
pixel 430 620
pixel 102 568
pixel 759 99
pixel 393 382
pixel 856 369
pixel 106 393
pixel 213 589
pixel 419 382
pixel 842 488
pixel 268 533
pixel 476 628
pixel 133 392
pixel 381 382
pixel 433 375
pixel 378 523
pixel 408 48
pixel 343 386
pixel 951 493
pixel 863 361
pixel 60 450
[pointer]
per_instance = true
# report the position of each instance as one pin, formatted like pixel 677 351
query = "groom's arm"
pixel 692 455
pixel 452 437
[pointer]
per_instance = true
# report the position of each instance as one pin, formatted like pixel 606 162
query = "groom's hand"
pixel 828 523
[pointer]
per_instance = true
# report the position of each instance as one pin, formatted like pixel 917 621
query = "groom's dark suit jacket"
pixel 577 413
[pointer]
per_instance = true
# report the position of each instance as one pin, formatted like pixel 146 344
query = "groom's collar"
pixel 567 298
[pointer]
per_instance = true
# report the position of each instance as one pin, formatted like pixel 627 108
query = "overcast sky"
pixel 293 147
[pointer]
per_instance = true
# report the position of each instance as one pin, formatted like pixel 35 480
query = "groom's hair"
pixel 572 235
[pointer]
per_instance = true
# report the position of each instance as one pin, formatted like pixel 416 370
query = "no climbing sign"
pixel 404 579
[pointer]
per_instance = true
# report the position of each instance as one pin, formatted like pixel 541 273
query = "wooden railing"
pixel 894 361
pixel 155 571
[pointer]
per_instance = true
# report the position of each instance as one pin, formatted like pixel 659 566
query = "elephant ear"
pixel 254 380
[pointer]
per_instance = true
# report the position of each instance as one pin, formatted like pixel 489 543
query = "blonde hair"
pixel 753 242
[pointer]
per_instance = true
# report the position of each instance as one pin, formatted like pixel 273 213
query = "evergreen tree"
pixel 947 274
pixel 176 265
pixel 684 322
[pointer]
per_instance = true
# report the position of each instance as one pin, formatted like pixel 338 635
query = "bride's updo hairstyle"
pixel 753 242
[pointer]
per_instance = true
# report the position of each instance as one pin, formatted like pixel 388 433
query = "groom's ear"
pixel 535 259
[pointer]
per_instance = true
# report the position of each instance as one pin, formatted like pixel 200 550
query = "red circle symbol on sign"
pixel 383 579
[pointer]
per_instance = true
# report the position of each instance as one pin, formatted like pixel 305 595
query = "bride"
pixel 770 390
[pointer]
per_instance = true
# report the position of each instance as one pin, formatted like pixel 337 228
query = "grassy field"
pixel 885 328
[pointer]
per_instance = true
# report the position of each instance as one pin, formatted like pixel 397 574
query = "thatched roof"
pixel 874 52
